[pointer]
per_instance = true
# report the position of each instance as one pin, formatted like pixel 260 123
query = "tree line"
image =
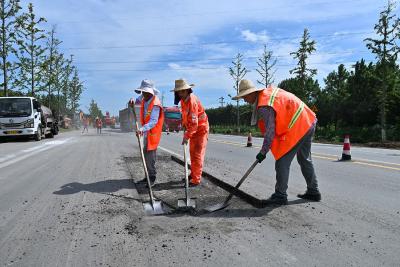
pixel 363 101
pixel 32 63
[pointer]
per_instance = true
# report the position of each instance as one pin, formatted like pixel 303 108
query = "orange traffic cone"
pixel 346 155
pixel 249 140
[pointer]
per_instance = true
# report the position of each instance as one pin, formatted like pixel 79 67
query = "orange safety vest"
pixel 189 118
pixel 293 119
pixel 154 135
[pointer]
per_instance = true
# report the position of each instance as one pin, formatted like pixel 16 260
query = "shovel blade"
pixel 153 209
pixel 191 203
pixel 217 207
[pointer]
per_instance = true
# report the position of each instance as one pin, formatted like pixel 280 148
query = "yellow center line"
pixel 376 165
pixel 370 163
pixel 322 157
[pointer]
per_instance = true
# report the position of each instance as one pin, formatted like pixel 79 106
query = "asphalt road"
pixel 71 201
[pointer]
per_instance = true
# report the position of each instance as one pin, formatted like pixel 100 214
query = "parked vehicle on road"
pixel 172 119
pixel 25 116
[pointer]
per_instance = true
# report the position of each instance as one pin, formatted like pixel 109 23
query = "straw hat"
pixel 146 86
pixel 246 87
pixel 181 84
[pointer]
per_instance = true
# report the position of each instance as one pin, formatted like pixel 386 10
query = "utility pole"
pixel 221 101
pixel 162 98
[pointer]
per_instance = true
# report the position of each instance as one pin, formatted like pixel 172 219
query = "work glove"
pixel 139 132
pixel 260 157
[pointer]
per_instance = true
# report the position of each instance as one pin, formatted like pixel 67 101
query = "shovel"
pixel 153 207
pixel 226 203
pixel 186 203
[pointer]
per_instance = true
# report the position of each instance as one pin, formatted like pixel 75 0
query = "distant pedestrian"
pixel 85 124
pixel 99 125
pixel 288 126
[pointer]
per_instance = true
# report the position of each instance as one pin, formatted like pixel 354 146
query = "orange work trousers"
pixel 198 144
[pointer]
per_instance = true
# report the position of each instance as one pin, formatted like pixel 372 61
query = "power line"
pixel 211 59
pixel 212 43
pixel 202 14
pixel 202 68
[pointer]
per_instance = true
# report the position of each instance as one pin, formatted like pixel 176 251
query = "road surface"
pixel 71 201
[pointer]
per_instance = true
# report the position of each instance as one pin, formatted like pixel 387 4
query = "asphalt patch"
pixel 170 186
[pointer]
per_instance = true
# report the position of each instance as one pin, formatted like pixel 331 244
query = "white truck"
pixel 25 116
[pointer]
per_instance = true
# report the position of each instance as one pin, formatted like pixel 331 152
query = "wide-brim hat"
pixel 246 87
pixel 181 84
pixel 146 86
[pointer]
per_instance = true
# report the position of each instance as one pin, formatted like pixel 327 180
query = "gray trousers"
pixel 150 157
pixel 282 166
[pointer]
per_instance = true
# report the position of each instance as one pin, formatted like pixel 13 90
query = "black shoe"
pixel 274 200
pixel 310 196
pixel 193 184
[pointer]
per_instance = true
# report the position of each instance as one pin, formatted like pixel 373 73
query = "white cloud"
pixel 255 37
pixel 174 66
pixel 128 23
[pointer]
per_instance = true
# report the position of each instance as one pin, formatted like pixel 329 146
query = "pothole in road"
pixel 169 186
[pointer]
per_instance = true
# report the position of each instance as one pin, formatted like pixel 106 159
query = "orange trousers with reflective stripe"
pixel 198 144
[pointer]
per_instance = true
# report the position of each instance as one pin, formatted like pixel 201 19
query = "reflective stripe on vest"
pixel 273 95
pixel 296 115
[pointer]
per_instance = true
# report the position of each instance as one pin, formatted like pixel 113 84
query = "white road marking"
pixel 2 159
pixel 32 151
pixel 170 151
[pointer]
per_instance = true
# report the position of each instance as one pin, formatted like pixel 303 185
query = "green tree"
pixel 360 107
pixel 336 93
pixel 237 72
pixel 8 12
pixel 386 51
pixel 302 72
pixel 51 62
pixel 66 78
pixel 31 51
pixel 295 85
pixel 266 67
pixel 75 92
pixel 94 110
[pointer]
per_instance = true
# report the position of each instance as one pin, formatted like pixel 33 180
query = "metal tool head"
pixel 182 203
pixel 217 207
pixel 155 208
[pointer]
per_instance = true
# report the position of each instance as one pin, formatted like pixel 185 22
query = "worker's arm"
pixel 155 113
pixel 192 121
pixel 267 114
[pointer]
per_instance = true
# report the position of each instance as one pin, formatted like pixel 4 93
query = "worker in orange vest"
pixel 151 119
pixel 288 126
pixel 195 122
pixel 99 125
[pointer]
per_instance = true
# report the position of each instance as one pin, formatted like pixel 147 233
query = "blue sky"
pixel 117 43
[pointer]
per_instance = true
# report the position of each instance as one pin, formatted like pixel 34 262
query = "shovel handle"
pixel 186 172
pixel 146 173
pixel 242 180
